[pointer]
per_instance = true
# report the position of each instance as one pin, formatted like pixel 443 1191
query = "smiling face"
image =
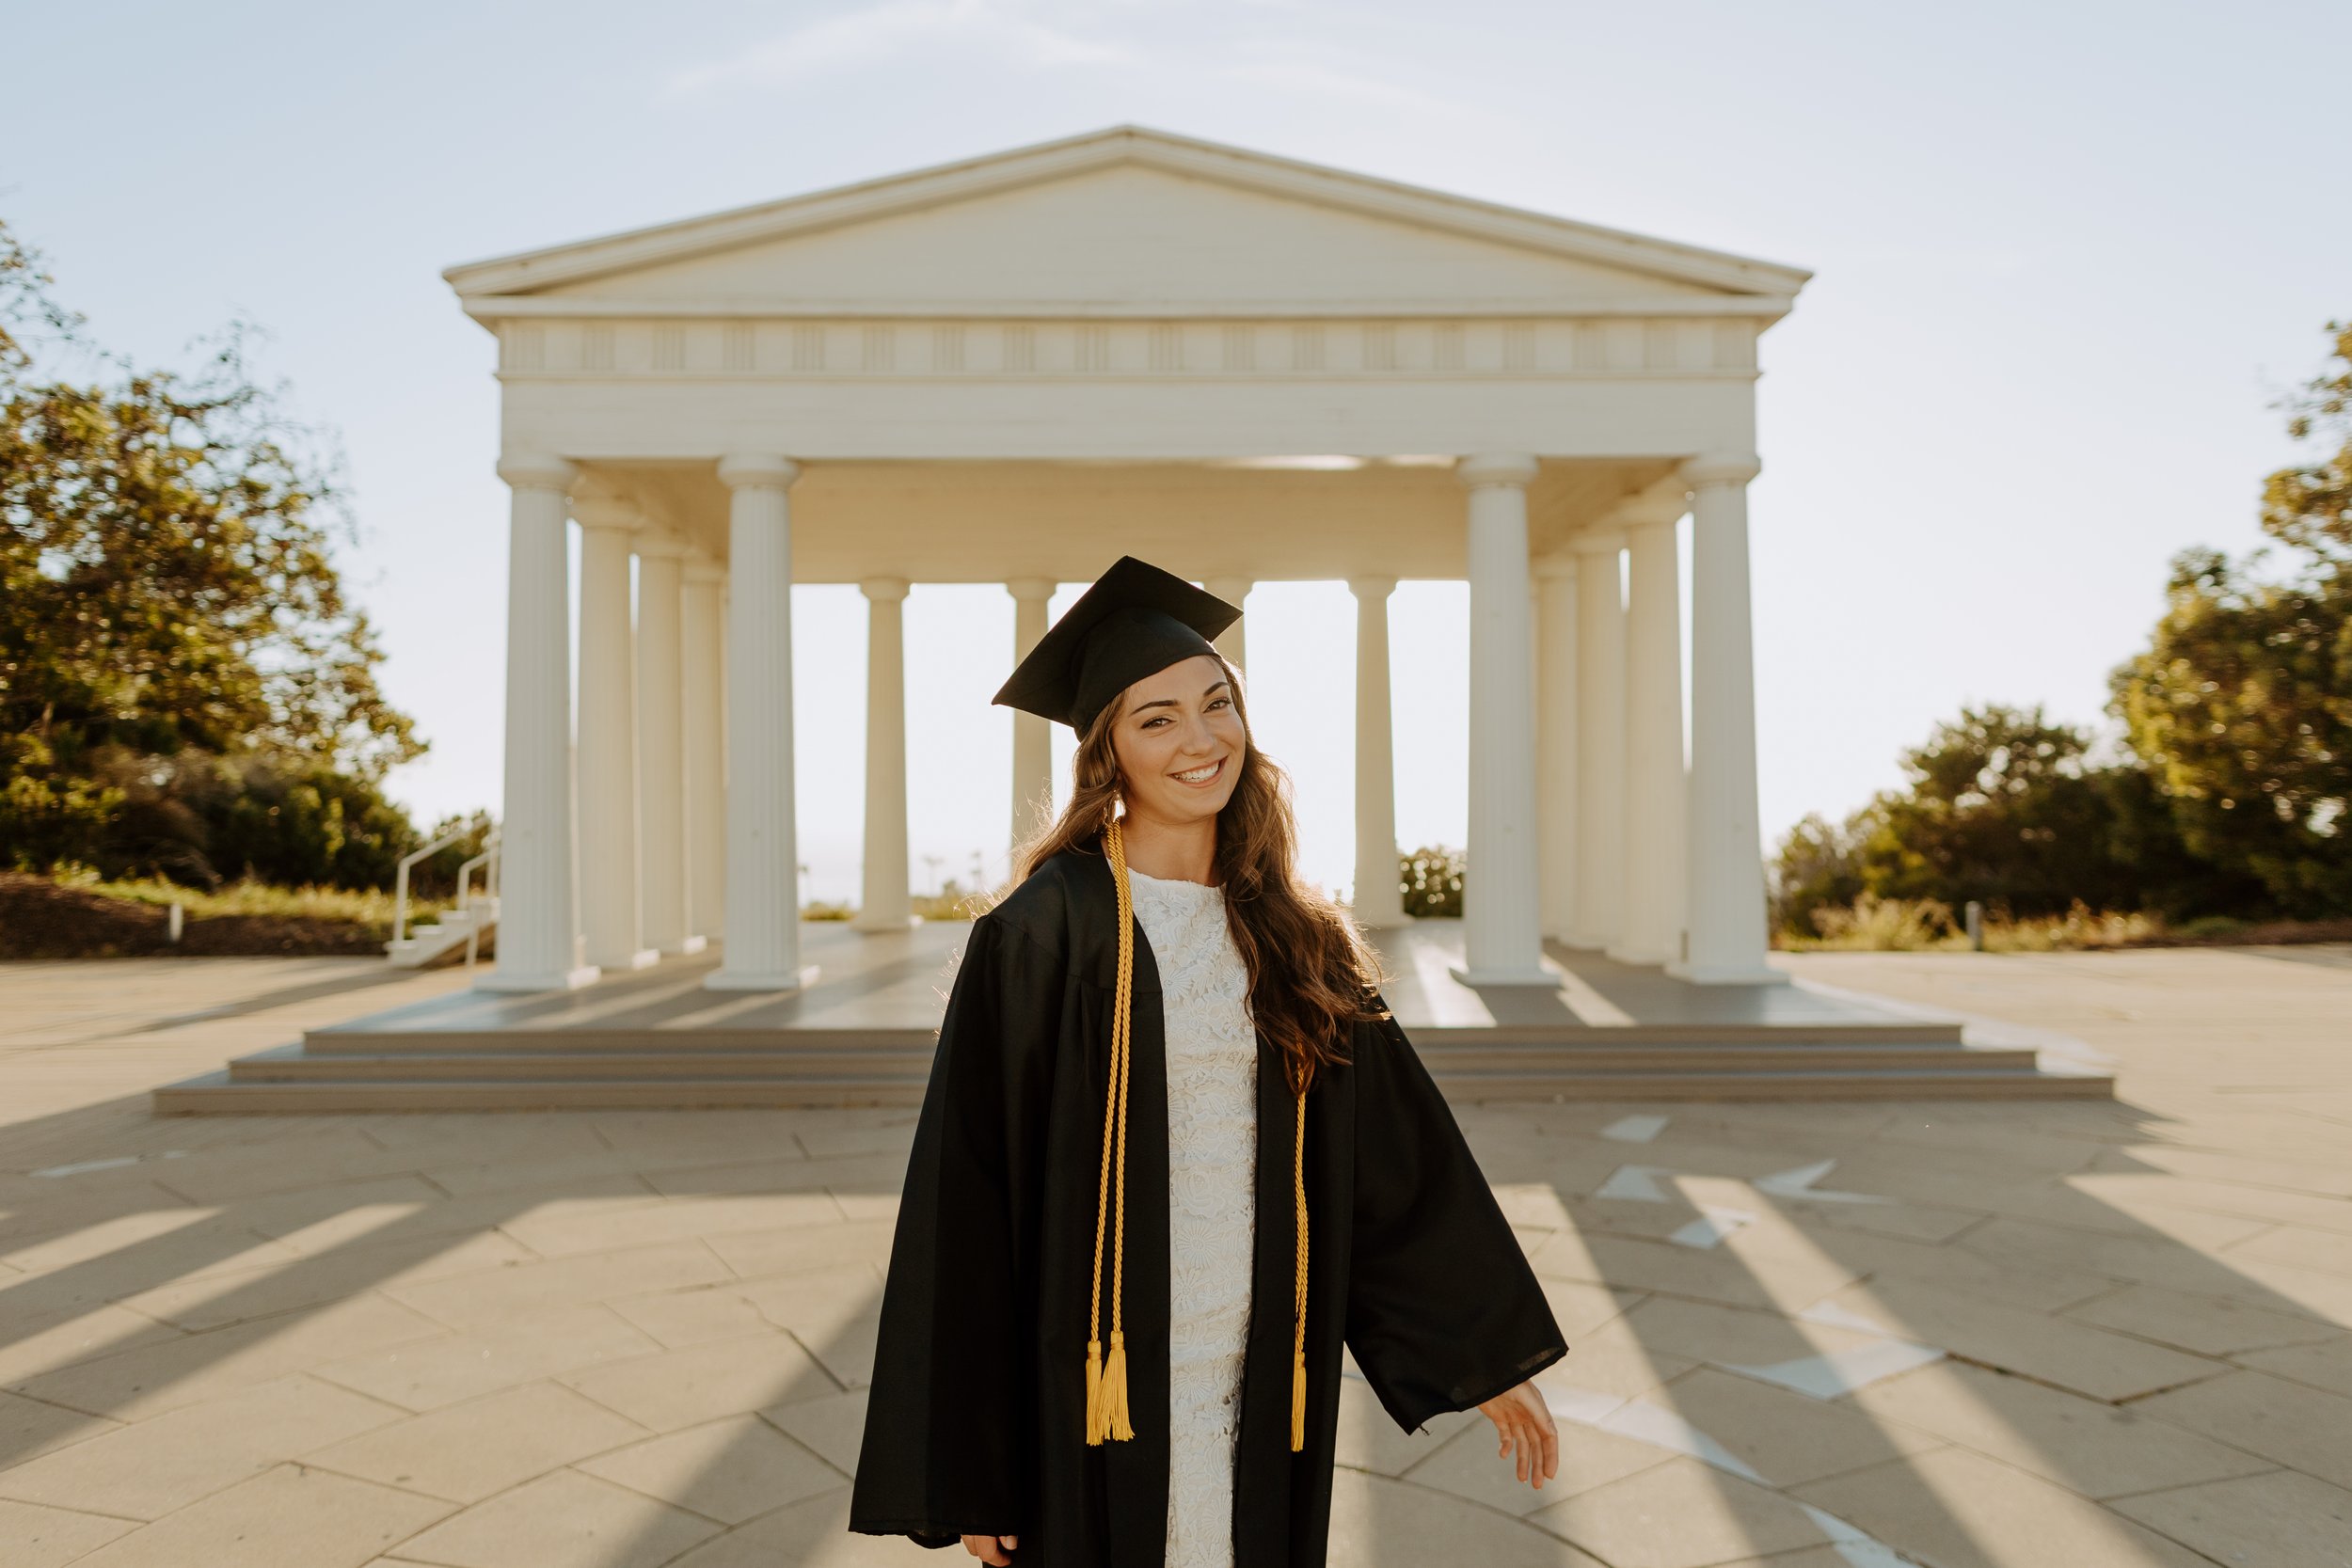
pixel 1179 743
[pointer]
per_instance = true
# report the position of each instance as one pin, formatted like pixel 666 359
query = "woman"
pixel 1206 1136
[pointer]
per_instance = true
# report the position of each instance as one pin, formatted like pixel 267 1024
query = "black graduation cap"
pixel 1136 621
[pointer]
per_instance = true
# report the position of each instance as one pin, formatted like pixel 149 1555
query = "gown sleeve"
pixel 1443 1312
pixel 946 1423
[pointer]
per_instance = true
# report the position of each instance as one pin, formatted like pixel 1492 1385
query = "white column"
pixel 1032 740
pixel 1501 940
pixel 886 906
pixel 611 916
pixel 1379 901
pixel 539 942
pixel 1600 740
pixel 1726 923
pixel 704 678
pixel 763 945
pixel 666 866
pixel 1557 793
pixel 1654 794
pixel 1232 642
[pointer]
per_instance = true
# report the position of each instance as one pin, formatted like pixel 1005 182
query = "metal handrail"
pixel 488 862
pixel 400 883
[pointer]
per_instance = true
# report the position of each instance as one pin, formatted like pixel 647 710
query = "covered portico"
pixel 1015 369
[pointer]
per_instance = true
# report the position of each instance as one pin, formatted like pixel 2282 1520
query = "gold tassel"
pixel 1298 1400
pixel 1095 1426
pixel 1107 1380
pixel 1115 1389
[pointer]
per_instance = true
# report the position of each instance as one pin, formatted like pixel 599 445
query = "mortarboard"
pixel 1136 621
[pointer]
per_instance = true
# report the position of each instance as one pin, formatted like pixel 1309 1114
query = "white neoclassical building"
pixel 1013 369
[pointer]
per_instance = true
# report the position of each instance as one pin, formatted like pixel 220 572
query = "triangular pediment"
pixel 1128 220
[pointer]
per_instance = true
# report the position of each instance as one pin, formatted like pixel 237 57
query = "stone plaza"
pixel 2064 1333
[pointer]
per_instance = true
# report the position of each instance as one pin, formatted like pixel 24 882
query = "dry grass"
pixel 367 907
pixel 1875 924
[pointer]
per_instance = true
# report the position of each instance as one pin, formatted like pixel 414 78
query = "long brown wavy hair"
pixel 1311 975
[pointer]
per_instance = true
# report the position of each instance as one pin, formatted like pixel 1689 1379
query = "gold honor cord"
pixel 1107 1379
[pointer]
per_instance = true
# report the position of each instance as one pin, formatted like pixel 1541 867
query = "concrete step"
pixel 1872 1037
pixel 291 1083
pixel 912 1063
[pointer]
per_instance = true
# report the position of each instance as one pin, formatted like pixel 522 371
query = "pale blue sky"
pixel 2066 255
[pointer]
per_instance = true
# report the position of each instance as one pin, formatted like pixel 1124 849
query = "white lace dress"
pixel 1212 1203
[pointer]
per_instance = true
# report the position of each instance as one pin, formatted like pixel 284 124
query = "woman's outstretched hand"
pixel 993 1549
pixel 1524 1424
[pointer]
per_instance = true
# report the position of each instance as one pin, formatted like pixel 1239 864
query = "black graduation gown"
pixel 976 1419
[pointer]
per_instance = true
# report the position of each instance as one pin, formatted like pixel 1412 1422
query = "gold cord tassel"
pixel 1299 1329
pixel 1107 1380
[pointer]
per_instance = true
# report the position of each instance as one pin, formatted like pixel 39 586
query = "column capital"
pixel 883 590
pixel 1371 588
pixel 1606 539
pixel 758 471
pixel 595 510
pixel 1722 468
pixel 1514 468
pixel 660 544
pixel 1031 588
pixel 1554 568
pixel 525 470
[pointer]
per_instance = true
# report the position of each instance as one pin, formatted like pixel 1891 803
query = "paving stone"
pixel 564 1520
pixel 2073 1355
pixel 151 1379
pixel 686 1388
pixel 2300 1427
pixel 1727 1336
pixel 429 1373
pixel 285 1285
pixel 1733 1275
pixel 1680 1515
pixel 698 1315
pixel 2329 1251
pixel 1465 1463
pixel 26 1352
pixel 29 1428
pixel 2204 1325
pixel 146 1470
pixel 731 1470
pixel 287 1518
pixel 1954 1508
pixel 466 1452
pixel 836 1316
pixel 1784 1437
pixel 1368 1438
pixel 2098 1449
pixel 564 1235
pixel 831 1426
pixel 1612 1361
pixel 812 1533
pixel 36 1537
pixel 1381 1523
pixel 802 1249
pixel 502 1295
pixel 2326 1365
pixel 2279 1520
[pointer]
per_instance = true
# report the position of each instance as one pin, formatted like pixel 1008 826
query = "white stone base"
pixel 1639 956
pixel 1765 976
pixel 798 979
pixel 1547 979
pixel 498 979
pixel 909 923
pixel 642 958
pixel 689 946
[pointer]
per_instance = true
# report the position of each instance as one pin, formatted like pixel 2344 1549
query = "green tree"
pixel 2241 705
pixel 2242 708
pixel 168 595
